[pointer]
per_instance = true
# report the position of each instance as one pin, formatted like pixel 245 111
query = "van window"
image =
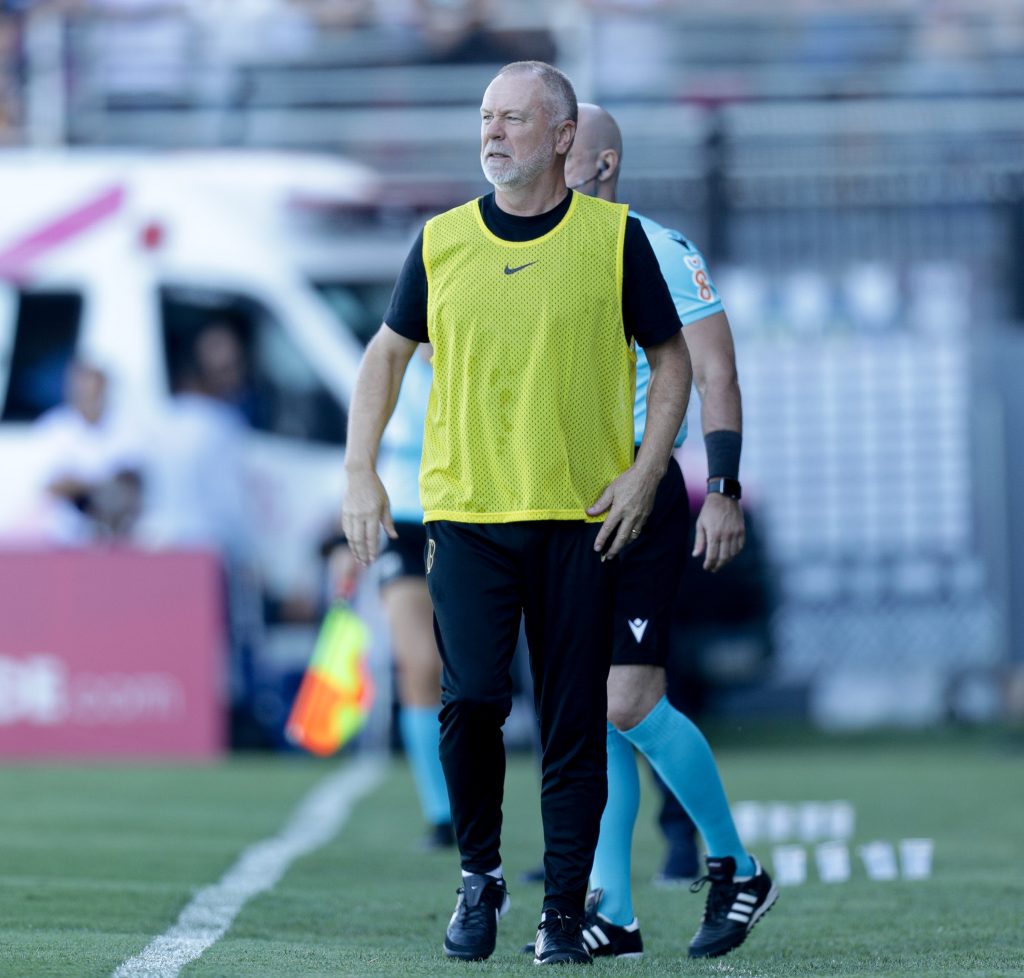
pixel 360 307
pixel 46 329
pixel 273 384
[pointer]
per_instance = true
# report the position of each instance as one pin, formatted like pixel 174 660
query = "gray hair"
pixel 560 96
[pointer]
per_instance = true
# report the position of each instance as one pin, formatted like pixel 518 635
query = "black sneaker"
pixel 733 907
pixel 605 939
pixel 473 929
pixel 560 940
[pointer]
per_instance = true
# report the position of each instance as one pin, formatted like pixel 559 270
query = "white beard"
pixel 518 174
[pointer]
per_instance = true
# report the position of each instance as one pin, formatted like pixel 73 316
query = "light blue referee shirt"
pixel 402 443
pixel 693 292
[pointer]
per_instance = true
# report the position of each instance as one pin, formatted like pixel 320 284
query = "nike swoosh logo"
pixel 518 268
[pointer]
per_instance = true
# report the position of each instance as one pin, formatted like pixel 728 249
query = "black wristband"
pixel 723 449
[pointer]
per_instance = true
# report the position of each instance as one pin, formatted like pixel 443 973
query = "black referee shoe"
pixel 733 907
pixel 473 930
pixel 605 939
pixel 560 940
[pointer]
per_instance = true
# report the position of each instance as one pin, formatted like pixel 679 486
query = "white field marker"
pixel 879 859
pixel 804 821
pixel 790 864
pixel 213 909
pixel 916 858
pixel 833 860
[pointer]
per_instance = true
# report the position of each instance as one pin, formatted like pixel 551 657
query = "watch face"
pixel 727 487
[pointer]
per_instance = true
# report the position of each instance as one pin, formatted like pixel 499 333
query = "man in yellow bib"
pixel 533 298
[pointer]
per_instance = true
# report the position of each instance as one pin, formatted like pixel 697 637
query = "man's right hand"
pixel 366 508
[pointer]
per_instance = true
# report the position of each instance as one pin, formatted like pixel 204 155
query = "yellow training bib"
pixel 531 409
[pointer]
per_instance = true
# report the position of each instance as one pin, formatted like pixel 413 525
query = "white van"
pixel 118 257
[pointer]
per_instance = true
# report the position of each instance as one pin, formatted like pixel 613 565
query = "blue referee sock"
pixel 680 754
pixel 421 731
pixel 612 858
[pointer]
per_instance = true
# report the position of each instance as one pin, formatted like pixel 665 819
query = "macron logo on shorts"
pixel 638 626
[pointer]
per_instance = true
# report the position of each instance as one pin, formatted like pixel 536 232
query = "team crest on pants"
pixel 431 547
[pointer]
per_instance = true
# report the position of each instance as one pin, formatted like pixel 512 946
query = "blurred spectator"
pixel 944 33
pixel 91 487
pixel 1005 30
pixel 200 498
pixel 240 31
pixel 198 483
pixel 460 32
pixel 142 50
pixel 632 47
pixel 10 74
pixel 337 15
pixel 943 50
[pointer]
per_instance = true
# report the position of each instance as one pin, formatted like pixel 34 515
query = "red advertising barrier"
pixel 111 653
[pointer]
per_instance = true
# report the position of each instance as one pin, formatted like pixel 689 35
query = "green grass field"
pixel 96 862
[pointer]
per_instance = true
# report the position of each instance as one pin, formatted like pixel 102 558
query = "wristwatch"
pixel 727 487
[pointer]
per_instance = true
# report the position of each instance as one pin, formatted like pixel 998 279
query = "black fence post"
pixel 716 197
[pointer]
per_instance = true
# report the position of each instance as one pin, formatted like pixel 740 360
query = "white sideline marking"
pixel 212 910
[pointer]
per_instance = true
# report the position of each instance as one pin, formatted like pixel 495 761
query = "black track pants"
pixel 482 578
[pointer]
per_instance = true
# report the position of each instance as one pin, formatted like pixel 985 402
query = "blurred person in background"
pixel 241 32
pixel 401 577
pixel 90 464
pixel 338 15
pixel 628 39
pixel 531 298
pixel 144 50
pixel 200 498
pixel 639 713
pixel 10 73
pixel 461 32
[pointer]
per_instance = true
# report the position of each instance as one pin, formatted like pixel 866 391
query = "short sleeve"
pixel 648 312
pixel 686 273
pixel 407 311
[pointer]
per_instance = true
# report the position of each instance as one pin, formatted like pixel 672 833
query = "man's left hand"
pixel 628 502
pixel 720 531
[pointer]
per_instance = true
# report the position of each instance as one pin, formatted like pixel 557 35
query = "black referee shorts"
pixel 649 574
pixel 404 557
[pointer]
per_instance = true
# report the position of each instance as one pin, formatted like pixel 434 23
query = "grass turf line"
pixel 94 863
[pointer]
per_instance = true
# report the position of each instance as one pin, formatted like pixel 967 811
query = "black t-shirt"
pixel 648 312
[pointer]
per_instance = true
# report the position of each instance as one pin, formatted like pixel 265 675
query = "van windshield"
pixel 235 348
